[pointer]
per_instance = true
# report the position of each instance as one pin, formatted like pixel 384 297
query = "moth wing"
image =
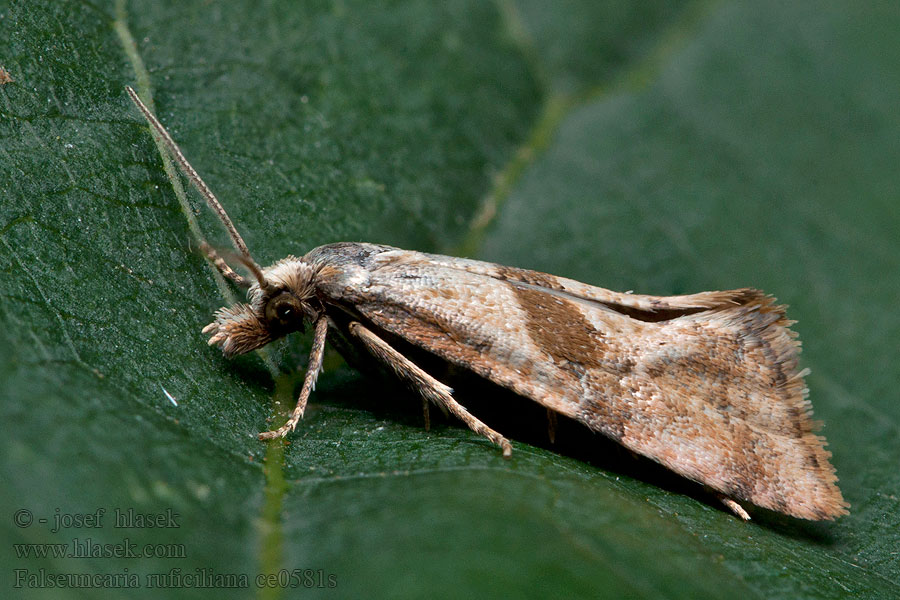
pixel 707 384
pixel 641 306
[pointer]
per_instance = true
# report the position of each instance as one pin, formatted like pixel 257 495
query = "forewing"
pixel 707 384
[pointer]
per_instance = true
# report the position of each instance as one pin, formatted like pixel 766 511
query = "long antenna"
pixel 191 174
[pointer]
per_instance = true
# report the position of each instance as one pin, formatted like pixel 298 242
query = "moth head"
pixel 280 302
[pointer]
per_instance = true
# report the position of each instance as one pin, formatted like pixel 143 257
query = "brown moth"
pixel 706 384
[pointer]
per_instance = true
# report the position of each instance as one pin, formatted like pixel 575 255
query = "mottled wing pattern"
pixel 706 384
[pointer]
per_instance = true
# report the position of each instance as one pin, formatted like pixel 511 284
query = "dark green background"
pixel 654 146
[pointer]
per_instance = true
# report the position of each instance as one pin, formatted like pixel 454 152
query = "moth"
pixel 706 384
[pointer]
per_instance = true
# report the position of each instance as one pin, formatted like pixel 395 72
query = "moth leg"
pixel 734 507
pixel 313 368
pixel 222 266
pixel 430 388
pixel 551 425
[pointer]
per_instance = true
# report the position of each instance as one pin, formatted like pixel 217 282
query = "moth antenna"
pixel 201 186
pixel 257 272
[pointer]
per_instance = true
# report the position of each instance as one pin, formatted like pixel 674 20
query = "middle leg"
pixel 430 388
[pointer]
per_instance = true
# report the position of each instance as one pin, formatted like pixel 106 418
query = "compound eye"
pixel 284 310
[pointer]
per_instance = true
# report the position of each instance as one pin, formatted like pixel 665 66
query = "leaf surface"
pixel 665 148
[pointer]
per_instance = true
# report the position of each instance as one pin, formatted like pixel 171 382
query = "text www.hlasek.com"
pixel 88 548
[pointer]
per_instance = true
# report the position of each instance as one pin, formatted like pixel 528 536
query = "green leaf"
pixel 662 147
